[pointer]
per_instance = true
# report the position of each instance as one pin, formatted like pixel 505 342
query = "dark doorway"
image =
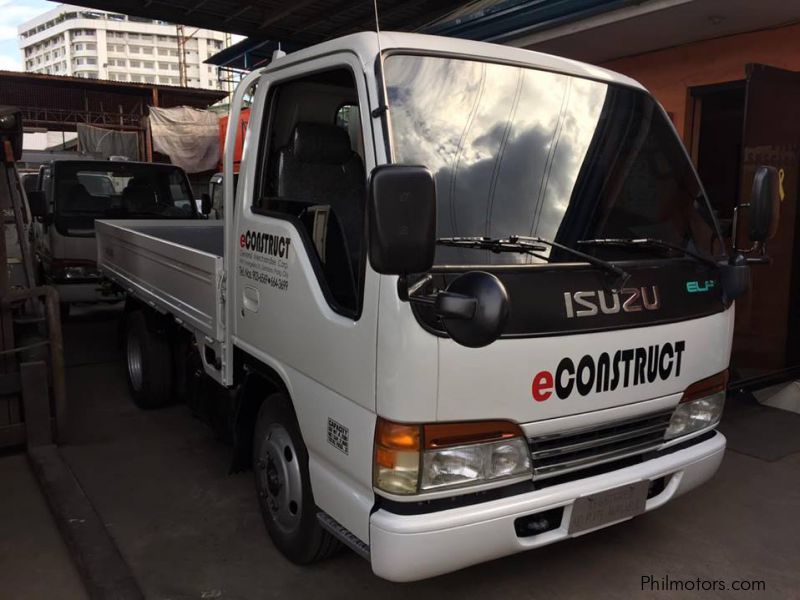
pixel 737 127
pixel 718 154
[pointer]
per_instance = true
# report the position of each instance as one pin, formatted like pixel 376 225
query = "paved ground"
pixel 34 561
pixel 189 530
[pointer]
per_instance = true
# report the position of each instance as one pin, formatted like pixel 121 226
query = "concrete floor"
pixel 34 560
pixel 189 530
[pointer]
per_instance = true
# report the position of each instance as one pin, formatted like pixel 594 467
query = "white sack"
pixel 189 136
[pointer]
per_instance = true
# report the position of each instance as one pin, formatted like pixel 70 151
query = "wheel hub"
pixel 280 479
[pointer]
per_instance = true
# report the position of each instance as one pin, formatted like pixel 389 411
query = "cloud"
pixel 16 12
pixel 10 63
pixel 12 14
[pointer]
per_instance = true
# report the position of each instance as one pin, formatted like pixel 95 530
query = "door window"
pixel 313 174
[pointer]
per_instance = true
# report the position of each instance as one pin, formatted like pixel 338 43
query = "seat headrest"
pixel 321 143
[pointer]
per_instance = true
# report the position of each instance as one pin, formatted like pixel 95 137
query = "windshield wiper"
pixel 649 243
pixel 533 246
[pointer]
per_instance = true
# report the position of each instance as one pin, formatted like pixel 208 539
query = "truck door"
pixel 306 305
pixel 767 334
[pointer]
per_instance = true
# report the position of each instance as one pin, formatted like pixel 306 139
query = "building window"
pixel 135 64
pixel 147 50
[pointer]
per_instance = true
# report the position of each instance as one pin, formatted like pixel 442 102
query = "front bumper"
pixel 411 547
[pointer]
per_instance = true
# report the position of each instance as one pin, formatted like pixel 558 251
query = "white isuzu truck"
pixel 466 300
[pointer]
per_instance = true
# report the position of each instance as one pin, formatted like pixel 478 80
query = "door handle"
pixel 251 298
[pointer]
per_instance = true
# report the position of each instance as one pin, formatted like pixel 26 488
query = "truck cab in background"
pixel 69 197
pixel 212 200
pixel 488 310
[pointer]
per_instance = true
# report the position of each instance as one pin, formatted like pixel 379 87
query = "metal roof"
pixel 250 53
pixel 301 21
pixel 60 102
pixel 500 20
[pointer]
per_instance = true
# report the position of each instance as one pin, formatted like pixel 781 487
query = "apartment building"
pixel 81 42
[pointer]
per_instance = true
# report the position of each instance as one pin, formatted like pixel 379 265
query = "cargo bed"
pixel 174 266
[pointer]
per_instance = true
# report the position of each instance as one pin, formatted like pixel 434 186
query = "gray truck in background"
pixel 71 194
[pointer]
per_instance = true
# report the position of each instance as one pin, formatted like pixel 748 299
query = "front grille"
pixel 556 454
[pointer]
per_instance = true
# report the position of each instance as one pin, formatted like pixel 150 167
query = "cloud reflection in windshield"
pixel 505 143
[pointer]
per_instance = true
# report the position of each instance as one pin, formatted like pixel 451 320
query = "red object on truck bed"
pixel 223 128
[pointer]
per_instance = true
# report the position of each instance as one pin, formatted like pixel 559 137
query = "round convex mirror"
pixel 491 310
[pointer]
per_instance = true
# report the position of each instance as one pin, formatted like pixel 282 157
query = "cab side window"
pixel 313 174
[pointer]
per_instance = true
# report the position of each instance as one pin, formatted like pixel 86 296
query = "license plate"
pixel 609 506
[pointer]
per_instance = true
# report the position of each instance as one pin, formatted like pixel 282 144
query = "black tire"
pixel 278 448
pixel 63 309
pixel 148 358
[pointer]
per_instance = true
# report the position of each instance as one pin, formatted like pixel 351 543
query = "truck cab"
pixel 487 311
pixel 72 194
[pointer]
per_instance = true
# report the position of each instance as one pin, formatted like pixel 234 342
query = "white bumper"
pixel 411 547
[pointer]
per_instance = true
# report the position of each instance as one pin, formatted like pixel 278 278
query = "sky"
pixel 12 13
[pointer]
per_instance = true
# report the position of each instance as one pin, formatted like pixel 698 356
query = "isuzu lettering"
pixel 467 300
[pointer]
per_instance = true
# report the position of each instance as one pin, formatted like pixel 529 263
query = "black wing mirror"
pixel 205 203
pixel 474 309
pixel 402 219
pixel 763 210
pixel 37 201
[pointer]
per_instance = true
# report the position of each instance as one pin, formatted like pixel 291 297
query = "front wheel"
pixel 280 465
pixel 148 358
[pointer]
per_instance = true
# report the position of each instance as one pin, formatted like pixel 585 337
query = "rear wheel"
pixel 280 465
pixel 148 358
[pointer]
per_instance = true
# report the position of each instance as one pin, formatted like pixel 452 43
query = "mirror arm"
pixel 446 304
pixel 455 306
pixel 735 230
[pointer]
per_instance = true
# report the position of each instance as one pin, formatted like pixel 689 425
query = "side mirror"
pixel 37 201
pixel 205 203
pixel 735 277
pixel 401 211
pixel 765 205
pixel 474 309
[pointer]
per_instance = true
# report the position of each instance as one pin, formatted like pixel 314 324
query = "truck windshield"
pixel 523 152
pixel 114 189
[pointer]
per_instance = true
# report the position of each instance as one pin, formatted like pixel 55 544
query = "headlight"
pixel 700 408
pixel 81 273
pixel 415 458
pixel 67 270
pixel 8 122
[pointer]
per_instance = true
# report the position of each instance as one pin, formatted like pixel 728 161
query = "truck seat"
pixel 80 199
pixel 319 167
pixel 139 196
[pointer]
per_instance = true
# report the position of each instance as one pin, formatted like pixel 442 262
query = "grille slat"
pixel 595 443
pixel 571 451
